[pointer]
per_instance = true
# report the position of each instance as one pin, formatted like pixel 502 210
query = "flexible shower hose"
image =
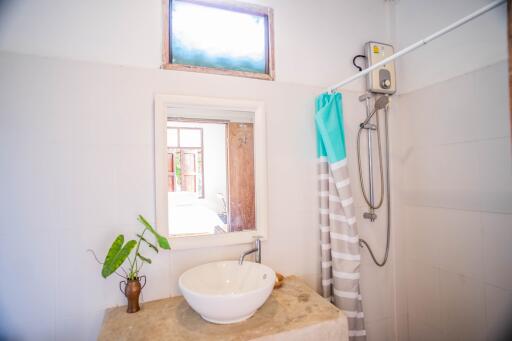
pixel 363 242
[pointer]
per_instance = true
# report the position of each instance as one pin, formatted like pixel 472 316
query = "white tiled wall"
pixel 478 43
pixel 77 167
pixel 78 161
pixel 456 193
pixel 385 311
pixel 376 283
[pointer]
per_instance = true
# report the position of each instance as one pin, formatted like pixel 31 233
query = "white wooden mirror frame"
pixel 162 103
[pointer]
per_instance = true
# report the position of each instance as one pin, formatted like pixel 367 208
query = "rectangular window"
pixel 227 38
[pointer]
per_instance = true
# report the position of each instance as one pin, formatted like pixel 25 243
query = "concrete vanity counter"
pixel 293 312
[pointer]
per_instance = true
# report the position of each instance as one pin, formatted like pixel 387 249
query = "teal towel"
pixel 329 127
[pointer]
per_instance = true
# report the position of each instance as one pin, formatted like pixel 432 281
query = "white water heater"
pixel 381 80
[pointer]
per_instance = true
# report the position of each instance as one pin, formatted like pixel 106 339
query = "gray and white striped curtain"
pixel 338 230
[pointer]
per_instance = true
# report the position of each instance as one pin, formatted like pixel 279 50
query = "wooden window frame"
pixel 266 12
pixel 201 148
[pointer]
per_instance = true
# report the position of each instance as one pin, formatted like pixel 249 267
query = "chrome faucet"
pixel 256 249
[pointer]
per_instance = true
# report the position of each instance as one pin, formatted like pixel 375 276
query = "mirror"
pixel 210 174
pixel 210 170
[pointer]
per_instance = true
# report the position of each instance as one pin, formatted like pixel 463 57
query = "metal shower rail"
pixel 420 43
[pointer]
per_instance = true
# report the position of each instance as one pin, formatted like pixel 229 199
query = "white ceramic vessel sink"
pixel 227 292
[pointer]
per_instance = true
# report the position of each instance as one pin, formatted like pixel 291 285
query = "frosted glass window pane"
pixel 172 137
pixel 190 138
pixel 217 38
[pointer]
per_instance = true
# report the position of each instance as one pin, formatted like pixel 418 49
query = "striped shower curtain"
pixel 339 237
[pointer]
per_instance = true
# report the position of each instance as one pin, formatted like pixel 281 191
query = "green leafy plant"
pixel 120 251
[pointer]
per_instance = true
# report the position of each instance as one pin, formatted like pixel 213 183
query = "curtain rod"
pixel 420 43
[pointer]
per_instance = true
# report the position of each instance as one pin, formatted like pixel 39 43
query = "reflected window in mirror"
pixel 185 154
pixel 210 176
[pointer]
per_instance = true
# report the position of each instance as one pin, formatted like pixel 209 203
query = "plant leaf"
pixel 162 241
pixel 147 260
pixel 117 244
pixel 118 260
pixel 148 243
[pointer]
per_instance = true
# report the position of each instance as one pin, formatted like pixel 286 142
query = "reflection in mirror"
pixel 210 174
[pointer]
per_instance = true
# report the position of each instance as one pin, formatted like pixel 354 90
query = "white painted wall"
pixel 77 155
pixel 453 275
pixel 78 167
pixel 315 41
pixel 479 43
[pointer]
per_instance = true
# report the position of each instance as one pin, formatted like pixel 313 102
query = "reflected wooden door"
pixel 170 172
pixel 242 212
pixel 188 171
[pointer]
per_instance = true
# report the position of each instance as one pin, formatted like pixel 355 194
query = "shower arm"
pixel 368 118
pixel 380 103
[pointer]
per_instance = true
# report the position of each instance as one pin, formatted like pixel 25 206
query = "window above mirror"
pixel 222 37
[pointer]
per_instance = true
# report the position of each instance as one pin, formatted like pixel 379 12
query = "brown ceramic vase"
pixel 132 289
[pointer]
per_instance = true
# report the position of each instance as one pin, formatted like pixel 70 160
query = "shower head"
pixel 381 102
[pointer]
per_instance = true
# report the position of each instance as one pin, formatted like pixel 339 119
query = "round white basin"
pixel 227 292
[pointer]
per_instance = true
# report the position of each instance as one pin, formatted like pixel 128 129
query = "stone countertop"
pixel 293 312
